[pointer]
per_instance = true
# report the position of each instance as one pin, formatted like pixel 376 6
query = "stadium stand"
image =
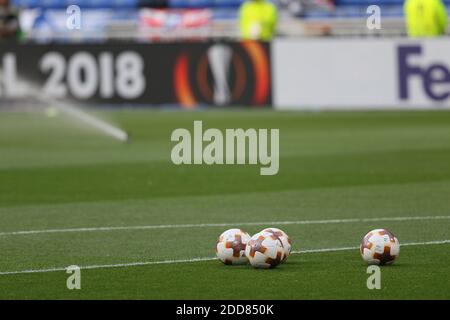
pixel 103 19
pixel 343 8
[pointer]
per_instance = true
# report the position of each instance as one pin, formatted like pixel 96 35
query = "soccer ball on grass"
pixel 380 247
pixel 230 247
pixel 284 238
pixel 264 250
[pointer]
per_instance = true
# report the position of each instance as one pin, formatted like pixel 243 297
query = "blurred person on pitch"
pixel 9 21
pixel 258 20
pixel 425 18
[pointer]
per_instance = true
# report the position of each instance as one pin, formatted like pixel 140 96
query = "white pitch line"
pixel 226 224
pixel 357 248
pixel 147 263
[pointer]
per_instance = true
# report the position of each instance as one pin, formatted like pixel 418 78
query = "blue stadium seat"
pixel 204 3
pixel 51 4
pixel 227 3
pixel 125 3
pixel 367 3
pixel 25 3
pixel 190 3
pixel 54 4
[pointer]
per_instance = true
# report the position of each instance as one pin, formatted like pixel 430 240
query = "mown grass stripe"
pixel 226 224
pixel 147 263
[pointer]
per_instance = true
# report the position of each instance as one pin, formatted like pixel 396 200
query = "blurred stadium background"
pixel 188 53
pixel 83 63
pixel 153 20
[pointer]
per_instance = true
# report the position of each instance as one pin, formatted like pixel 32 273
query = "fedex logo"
pixel 435 77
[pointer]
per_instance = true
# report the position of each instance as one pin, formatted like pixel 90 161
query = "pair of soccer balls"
pixel 266 249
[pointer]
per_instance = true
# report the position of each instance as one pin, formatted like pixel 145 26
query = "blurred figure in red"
pixel 9 21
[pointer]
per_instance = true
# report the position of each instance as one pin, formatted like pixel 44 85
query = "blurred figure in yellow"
pixel 258 20
pixel 425 18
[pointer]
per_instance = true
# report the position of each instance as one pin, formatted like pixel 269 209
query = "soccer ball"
pixel 379 247
pixel 284 238
pixel 230 247
pixel 264 250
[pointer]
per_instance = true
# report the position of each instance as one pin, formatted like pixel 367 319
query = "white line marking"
pixel 147 263
pixel 226 224
pixel 408 244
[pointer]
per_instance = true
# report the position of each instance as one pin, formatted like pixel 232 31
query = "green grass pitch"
pixel 56 174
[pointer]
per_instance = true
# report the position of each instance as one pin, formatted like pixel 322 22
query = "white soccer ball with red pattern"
pixel 230 247
pixel 380 247
pixel 284 238
pixel 264 250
